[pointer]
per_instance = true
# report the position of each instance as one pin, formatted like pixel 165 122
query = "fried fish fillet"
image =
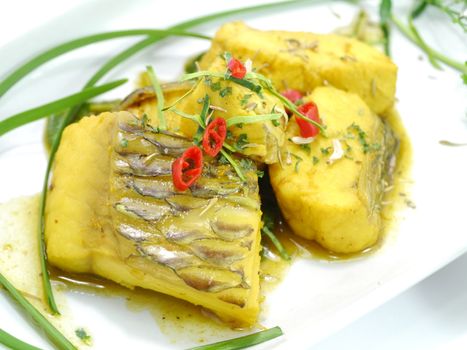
pixel 331 189
pixel 113 211
pixel 304 61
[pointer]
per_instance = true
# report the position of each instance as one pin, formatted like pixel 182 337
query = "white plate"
pixel 316 298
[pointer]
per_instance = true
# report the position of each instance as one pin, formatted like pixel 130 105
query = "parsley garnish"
pixel 326 151
pixel 124 143
pixel 315 160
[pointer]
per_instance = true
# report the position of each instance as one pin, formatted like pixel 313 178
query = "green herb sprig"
pixel 52 333
pixel 245 341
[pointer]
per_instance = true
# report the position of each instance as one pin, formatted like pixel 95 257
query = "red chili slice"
pixel 236 68
pixel 188 168
pixel 292 95
pixel 310 110
pixel 214 137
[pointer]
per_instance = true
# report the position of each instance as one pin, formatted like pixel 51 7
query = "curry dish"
pixel 163 192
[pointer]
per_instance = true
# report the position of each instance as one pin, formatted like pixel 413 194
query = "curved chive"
pixel 243 342
pixel 248 119
pixel 52 333
pixel 438 55
pixel 59 50
pixel 160 97
pixel 37 113
pixel 14 343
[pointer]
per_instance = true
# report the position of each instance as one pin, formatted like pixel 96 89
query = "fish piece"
pixel 335 197
pixel 304 61
pixel 113 211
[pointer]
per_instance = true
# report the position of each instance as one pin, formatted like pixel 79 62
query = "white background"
pixel 430 315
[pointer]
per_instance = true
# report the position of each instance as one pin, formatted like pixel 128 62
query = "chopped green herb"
pixel 326 151
pixel 276 122
pixel 242 140
pixel 83 336
pixel 225 91
pixel 216 86
pixel 362 139
pixel 315 160
pixel 124 143
pixel 260 173
pixel 244 100
pixel 239 125
pixel 306 147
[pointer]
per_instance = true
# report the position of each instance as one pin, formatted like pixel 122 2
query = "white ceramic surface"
pixel 316 298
